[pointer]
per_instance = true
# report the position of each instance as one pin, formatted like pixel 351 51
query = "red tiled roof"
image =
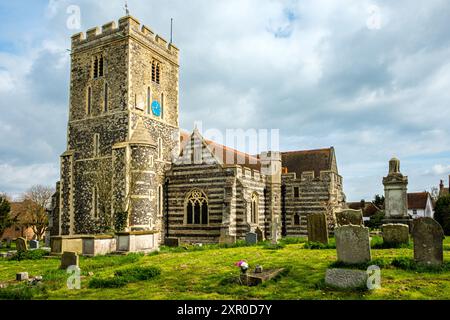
pixel 417 200
pixel 227 155
pixel 308 160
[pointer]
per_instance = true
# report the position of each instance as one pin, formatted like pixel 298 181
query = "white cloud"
pixel 440 169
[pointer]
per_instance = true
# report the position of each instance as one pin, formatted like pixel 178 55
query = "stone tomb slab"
pixel 254 279
pixel 352 244
pixel 395 234
pixel 346 278
pixel 317 227
pixel 349 216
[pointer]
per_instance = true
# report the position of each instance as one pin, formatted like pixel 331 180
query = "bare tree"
pixel 36 200
pixel 434 193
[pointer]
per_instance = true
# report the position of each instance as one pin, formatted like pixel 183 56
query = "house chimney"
pixel 441 185
pixel 363 204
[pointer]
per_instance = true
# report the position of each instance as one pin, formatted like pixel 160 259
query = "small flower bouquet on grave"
pixel 243 265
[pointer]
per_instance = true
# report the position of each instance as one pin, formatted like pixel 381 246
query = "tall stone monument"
pixel 395 194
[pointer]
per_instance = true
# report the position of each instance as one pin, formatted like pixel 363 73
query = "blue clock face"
pixel 156 108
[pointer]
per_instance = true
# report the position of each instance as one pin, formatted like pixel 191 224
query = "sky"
pixel 370 78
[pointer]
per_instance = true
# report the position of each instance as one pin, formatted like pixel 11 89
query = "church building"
pixel 129 167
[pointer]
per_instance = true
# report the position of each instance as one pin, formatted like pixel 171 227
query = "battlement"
pixel 127 26
pixel 247 173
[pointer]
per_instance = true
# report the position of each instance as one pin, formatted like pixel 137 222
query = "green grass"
pixel 208 272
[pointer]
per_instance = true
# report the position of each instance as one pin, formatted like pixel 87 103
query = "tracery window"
pixel 196 208
pixel 254 208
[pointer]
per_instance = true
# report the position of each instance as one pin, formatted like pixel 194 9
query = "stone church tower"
pixel 122 130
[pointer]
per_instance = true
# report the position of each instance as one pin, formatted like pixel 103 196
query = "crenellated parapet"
pixel 127 26
pixel 247 173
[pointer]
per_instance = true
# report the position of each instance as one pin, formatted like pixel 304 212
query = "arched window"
pixel 96 144
pixel 254 208
pixel 160 149
pixel 196 208
pixel 160 201
pixel 296 219
pixel 149 100
pixel 89 100
pixel 95 202
pixel 105 99
pixel 162 105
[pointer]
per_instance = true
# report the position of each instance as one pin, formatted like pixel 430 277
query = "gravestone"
pixel 21 276
pixel 251 238
pixel 346 278
pixel 428 239
pixel 317 228
pixel 172 242
pixel 34 244
pixel 349 216
pixel 352 244
pixel 68 259
pixel 395 234
pixel 8 242
pixel 259 234
pixel 21 244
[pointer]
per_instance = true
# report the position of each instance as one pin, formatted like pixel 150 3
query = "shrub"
pixel 21 291
pixel 410 265
pixel 29 255
pixel 442 213
pixel 375 221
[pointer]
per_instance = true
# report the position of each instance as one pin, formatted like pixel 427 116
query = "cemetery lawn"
pixel 208 272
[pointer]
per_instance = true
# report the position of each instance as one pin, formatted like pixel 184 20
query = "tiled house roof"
pixel 368 210
pixel 417 200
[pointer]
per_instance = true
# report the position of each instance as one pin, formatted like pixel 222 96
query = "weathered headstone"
pixel 34 244
pixel 172 242
pixel 395 234
pixel 346 278
pixel 21 244
pixel 251 238
pixel 352 244
pixel 259 234
pixel 349 216
pixel 68 259
pixel 428 237
pixel 317 228
pixel 21 276
pixel 8 242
